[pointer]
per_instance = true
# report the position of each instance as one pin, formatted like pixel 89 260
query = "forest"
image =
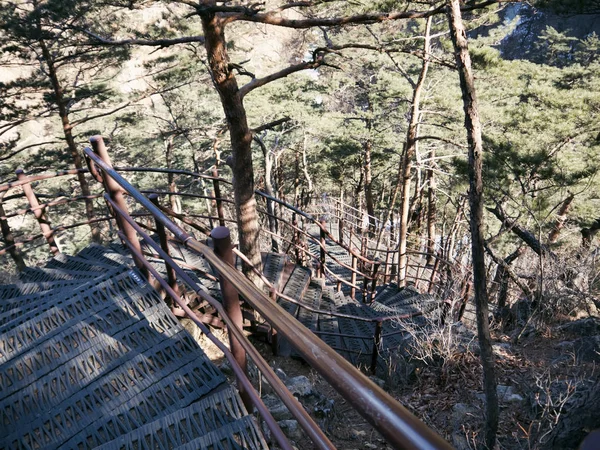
pixel 469 130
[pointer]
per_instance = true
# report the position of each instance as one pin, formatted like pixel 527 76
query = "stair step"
pixel 273 268
pixel 241 434
pixel 329 324
pixel 100 305
pixel 62 261
pixel 82 344
pixel 10 292
pixel 295 287
pixel 106 255
pixel 41 274
pixel 217 414
pixel 23 309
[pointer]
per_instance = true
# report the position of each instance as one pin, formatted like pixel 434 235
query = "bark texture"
pixel 241 139
pixel 68 133
pixel 410 150
pixel 473 127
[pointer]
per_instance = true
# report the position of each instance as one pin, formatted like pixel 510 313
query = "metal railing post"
pixel 376 345
pixel 9 238
pixel 164 244
pixel 374 281
pixel 322 241
pixel 115 192
pixel 353 277
pixel 223 249
pixel 217 191
pixel 39 213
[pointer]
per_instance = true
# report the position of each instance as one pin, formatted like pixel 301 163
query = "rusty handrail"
pixel 289 400
pixel 401 428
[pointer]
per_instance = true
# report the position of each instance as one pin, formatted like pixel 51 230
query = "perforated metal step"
pixel 209 417
pixel 41 274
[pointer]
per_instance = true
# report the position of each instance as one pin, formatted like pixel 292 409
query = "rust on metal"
pixel 38 212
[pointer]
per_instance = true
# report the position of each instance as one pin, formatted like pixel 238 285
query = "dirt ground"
pixel 447 393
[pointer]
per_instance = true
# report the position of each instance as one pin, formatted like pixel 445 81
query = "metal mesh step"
pixel 62 261
pixel 10 292
pixel 19 310
pixel 104 303
pixel 273 268
pixel 94 416
pixel 104 255
pixel 242 434
pixel 40 274
pixel 295 288
pixel 83 346
pixel 209 415
pixel 329 324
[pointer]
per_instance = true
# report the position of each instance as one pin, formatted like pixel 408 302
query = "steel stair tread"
pixel 212 414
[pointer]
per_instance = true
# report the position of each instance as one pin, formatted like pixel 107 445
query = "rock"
pixel 277 408
pixel 590 326
pixel 369 445
pixel 378 381
pixel 225 367
pixel 291 429
pixel 300 386
pixel 356 434
pixel 587 348
pixel 281 374
pixel 507 394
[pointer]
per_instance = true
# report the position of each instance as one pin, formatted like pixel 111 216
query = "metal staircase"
pixel 91 357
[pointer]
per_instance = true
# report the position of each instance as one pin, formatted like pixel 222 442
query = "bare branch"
pixel 27 147
pixel 104 114
pixel 145 42
pixel 274 18
pixel 258 82
pixel 270 125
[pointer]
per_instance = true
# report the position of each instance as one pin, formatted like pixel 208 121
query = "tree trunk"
pixel 561 218
pixel 409 153
pixel 368 148
pixel 68 133
pixel 473 127
pixel 431 210
pixel 9 239
pixel 240 137
pixel 174 200
pixel 272 212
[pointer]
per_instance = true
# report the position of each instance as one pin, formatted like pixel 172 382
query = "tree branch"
pixel 270 125
pixel 104 114
pixel 273 17
pixel 525 235
pixel 146 42
pixel 258 82
pixel 16 152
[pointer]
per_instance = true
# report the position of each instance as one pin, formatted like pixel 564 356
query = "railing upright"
pixel 164 244
pixel 218 199
pixel 9 238
pixel 231 301
pixel 39 213
pixel 115 192
pixel 322 241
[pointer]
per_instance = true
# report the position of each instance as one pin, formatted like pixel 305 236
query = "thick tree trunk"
pixel 409 153
pixel 473 127
pixel 68 133
pixel 241 139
